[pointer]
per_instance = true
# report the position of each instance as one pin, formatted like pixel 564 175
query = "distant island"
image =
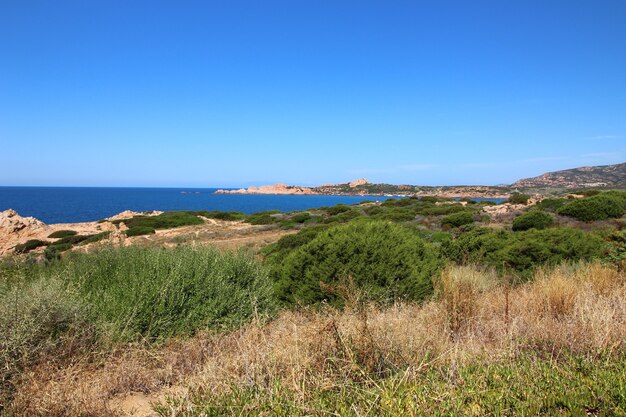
pixel 583 177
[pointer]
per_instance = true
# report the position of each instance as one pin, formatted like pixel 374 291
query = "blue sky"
pixel 235 93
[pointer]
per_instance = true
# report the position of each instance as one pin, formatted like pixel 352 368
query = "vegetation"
pixel 387 260
pixel 30 245
pixel 139 231
pixel 141 225
pixel 551 204
pixel 457 219
pixel 533 219
pixel 523 251
pixel 517 198
pixel 437 316
pixel 598 207
pixel 62 233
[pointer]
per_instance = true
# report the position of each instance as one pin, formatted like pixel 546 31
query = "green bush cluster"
pixel 525 250
pixel 598 207
pixel 387 260
pixel 551 204
pixel 62 233
pixel 139 231
pixel 222 215
pixel 30 245
pixel 518 198
pixel 135 293
pixel 457 219
pixel 167 220
pixel 533 219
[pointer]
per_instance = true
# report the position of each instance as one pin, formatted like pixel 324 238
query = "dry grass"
pixel 573 308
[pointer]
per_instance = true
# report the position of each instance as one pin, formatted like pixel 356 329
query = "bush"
pixel 599 207
pixel 551 204
pixel 137 293
pixel 532 220
pixel 96 238
pixel 339 208
pixel 523 251
pixel 387 260
pixel 222 215
pixel 517 198
pixel 62 233
pixel 261 218
pixel 457 219
pixel 139 230
pixel 30 245
pixel 35 318
pixel 72 239
pixel 301 217
pixel 165 220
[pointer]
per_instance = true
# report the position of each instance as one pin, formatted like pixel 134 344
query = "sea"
pixel 82 204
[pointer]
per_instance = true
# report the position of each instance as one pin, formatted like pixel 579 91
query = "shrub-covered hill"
pixel 594 176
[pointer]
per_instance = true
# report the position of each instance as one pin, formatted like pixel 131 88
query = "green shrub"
pixel 72 239
pixel 139 230
pixel 222 215
pixel 154 293
pixel 36 318
pixel 301 217
pixel 339 208
pixel 523 251
pixel 62 233
pixel 385 259
pixel 442 210
pixel 517 198
pixel 599 207
pixel 261 218
pixel 551 204
pixel 96 238
pixel 30 245
pixel 532 220
pixel 457 219
pixel 165 220
pixel 53 252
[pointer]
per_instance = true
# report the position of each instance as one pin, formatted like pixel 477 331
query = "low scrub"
pixel 516 351
pixel 165 220
pixel 386 260
pixel 517 198
pixel 525 250
pixel 139 231
pixel 30 245
pixel 598 207
pixel 62 233
pixel 156 293
pixel 457 219
pixel 532 220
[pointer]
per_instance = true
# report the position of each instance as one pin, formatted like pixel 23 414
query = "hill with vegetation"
pixel 593 176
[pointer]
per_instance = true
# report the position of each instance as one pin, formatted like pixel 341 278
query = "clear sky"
pixel 235 93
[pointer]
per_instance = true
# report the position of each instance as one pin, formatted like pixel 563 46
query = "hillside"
pixel 595 176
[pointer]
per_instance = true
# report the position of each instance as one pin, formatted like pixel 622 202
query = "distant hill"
pixel 596 176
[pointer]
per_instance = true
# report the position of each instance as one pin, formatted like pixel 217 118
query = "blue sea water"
pixel 81 204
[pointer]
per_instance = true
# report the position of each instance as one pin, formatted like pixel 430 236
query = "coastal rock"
pixel 15 228
pixel 128 214
pixel 11 222
pixel 356 183
pixel 279 188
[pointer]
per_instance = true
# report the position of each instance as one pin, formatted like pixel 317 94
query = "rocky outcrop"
pixel 127 214
pixel 15 229
pixel 356 183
